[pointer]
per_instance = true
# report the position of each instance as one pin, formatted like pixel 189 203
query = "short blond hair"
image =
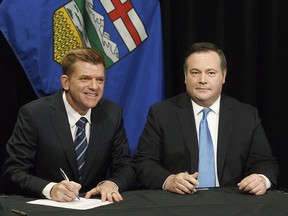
pixel 84 54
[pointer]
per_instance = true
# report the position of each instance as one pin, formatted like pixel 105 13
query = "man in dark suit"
pixel 167 155
pixel 44 134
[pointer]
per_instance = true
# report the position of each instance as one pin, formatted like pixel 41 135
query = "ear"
pixel 224 76
pixel 65 82
pixel 185 77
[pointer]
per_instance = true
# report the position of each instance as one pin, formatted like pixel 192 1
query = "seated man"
pixel 182 149
pixel 76 130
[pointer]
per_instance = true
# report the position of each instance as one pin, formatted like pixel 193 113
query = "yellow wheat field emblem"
pixel 65 35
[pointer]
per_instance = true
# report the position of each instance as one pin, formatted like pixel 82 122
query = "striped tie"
pixel 80 144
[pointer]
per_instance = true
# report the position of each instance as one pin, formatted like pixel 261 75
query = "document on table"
pixel 82 204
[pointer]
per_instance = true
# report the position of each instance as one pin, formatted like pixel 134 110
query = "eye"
pixel 100 80
pixel 211 73
pixel 84 79
pixel 194 73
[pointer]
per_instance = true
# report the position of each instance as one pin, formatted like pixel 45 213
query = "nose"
pixel 93 84
pixel 202 78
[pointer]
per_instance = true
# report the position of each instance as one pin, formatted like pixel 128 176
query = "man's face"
pixel 85 86
pixel 204 78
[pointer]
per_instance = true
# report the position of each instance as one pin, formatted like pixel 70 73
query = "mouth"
pixel 91 94
pixel 203 89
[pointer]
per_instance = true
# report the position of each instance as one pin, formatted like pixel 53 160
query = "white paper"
pixel 81 204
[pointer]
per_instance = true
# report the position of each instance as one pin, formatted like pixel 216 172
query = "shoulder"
pixel 179 101
pixel 230 101
pixel 109 108
pixel 241 109
pixel 43 103
pixel 108 104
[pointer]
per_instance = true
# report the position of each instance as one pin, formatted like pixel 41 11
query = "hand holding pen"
pixel 67 179
pixel 65 191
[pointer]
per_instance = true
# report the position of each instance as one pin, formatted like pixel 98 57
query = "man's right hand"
pixel 182 183
pixel 65 191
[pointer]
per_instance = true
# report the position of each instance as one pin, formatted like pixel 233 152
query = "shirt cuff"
pixel 164 184
pixel 47 189
pixel 108 181
pixel 267 181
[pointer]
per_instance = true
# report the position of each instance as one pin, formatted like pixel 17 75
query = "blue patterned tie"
pixel 206 154
pixel 80 144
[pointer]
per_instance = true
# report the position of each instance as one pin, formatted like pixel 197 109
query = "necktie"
pixel 206 154
pixel 80 143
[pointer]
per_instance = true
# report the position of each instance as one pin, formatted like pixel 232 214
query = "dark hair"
pixel 205 47
pixel 84 54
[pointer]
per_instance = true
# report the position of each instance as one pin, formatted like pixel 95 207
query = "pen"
pixel 19 212
pixel 66 178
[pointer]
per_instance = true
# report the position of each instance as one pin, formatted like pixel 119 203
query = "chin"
pixel 92 105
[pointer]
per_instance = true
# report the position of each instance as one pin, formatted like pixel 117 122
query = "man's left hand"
pixel 108 191
pixel 254 184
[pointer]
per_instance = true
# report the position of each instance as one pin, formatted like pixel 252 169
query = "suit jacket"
pixel 169 143
pixel 42 143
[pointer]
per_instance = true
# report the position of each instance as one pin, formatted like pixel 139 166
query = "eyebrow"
pixel 209 69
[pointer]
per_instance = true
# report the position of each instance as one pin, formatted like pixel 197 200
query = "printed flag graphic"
pixel 126 32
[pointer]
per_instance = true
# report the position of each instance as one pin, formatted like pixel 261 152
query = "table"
pixel 216 201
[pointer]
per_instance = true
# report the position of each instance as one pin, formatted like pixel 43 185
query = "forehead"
pixel 208 59
pixel 87 68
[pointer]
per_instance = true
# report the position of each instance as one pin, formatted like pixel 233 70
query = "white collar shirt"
pixel 74 116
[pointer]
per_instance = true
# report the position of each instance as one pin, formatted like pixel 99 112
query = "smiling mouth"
pixel 91 94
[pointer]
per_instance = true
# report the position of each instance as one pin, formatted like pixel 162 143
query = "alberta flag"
pixel 126 32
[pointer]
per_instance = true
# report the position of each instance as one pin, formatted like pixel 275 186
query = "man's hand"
pixel 254 184
pixel 108 191
pixel 65 191
pixel 182 183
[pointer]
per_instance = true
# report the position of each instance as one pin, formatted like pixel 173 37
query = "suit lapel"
pixel 226 119
pixel 61 125
pixel 96 132
pixel 187 122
